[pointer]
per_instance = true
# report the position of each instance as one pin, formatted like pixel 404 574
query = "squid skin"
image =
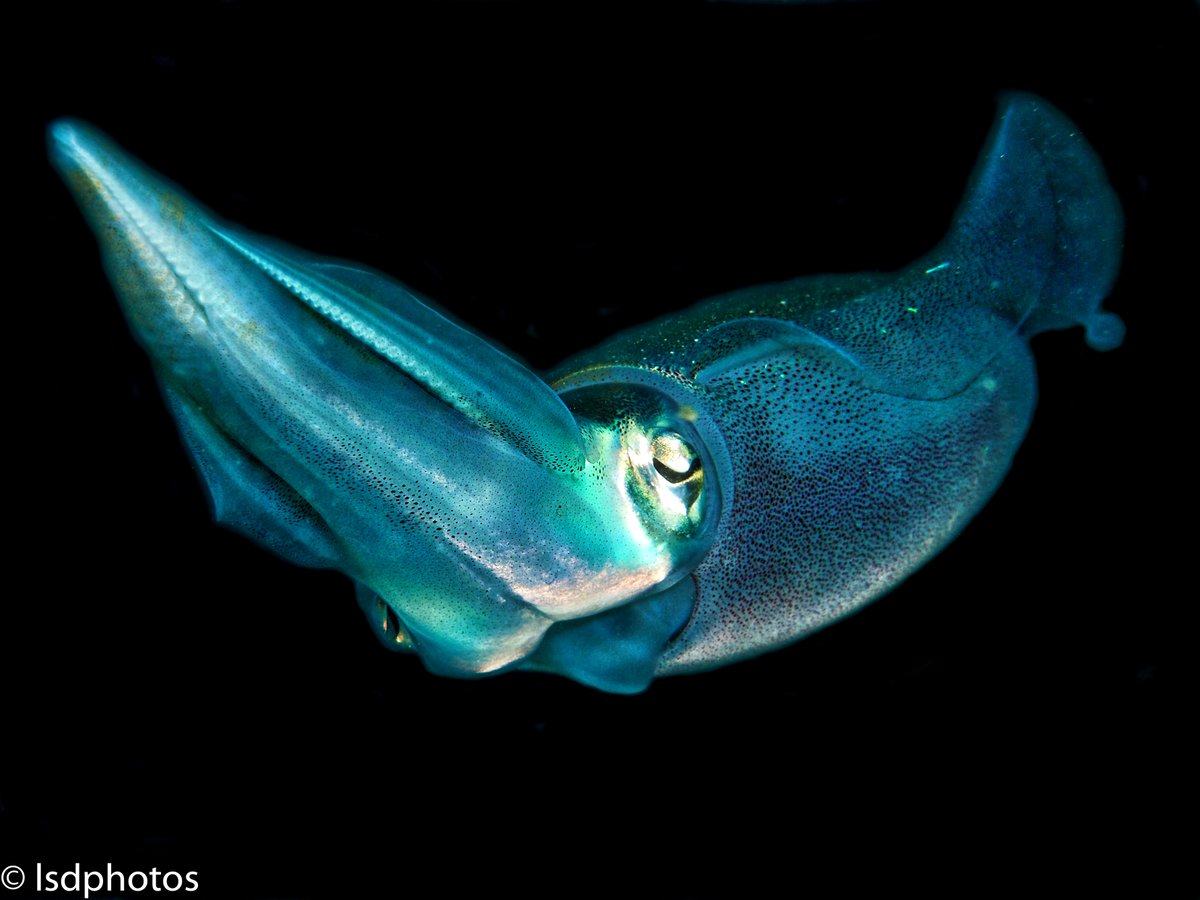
pixel 700 490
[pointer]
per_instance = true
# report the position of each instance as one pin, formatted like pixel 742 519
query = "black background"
pixel 175 697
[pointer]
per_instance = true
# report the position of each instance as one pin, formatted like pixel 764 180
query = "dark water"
pixel 174 697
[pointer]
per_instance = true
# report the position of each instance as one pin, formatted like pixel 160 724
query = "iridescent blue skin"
pixel 697 491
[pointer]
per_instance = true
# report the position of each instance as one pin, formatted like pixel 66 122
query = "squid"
pixel 696 491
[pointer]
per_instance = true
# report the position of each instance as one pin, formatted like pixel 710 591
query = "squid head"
pixel 697 491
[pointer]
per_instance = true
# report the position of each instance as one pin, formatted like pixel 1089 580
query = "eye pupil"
pixel 664 474
pixel 674 459
pixel 672 475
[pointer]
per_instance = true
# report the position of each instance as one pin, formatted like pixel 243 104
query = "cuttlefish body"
pixel 697 491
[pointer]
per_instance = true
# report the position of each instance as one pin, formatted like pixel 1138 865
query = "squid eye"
pixel 394 635
pixel 653 450
pixel 674 459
